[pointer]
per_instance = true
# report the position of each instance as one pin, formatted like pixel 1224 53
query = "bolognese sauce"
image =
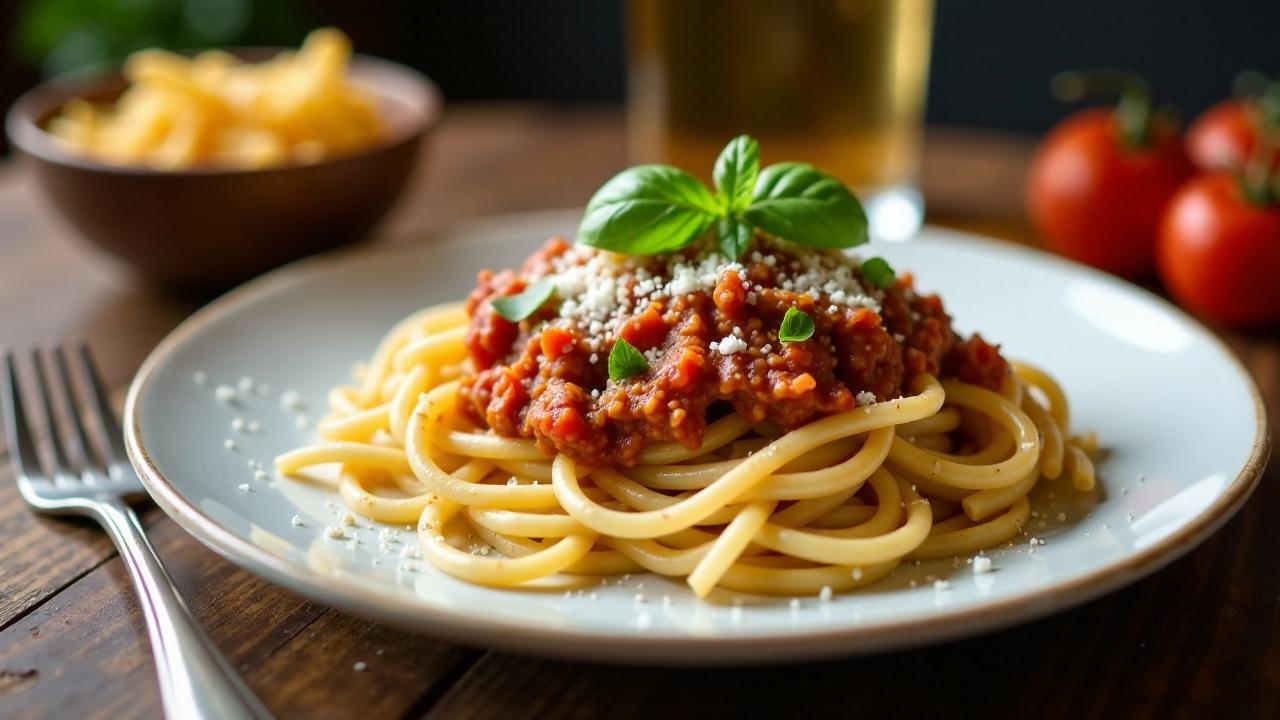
pixel 708 330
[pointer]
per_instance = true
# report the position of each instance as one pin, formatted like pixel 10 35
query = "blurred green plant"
pixel 57 36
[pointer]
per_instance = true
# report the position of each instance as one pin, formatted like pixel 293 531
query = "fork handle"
pixel 195 680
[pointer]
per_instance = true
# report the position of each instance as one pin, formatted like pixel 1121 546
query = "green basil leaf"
pixel 878 272
pixel 800 203
pixel 647 210
pixel 520 306
pixel 796 326
pixel 736 171
pixel 625 360
pixel 734 238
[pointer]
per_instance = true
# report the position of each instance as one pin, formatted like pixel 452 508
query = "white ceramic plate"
pixel 1182 420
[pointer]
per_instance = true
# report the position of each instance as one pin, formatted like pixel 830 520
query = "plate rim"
pixel 633 647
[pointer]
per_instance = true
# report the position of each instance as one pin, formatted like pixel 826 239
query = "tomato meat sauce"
pixel 709 331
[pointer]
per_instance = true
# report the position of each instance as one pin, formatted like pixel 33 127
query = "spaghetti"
pixel 751 495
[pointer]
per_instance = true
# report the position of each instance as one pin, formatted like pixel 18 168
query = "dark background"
pixel 991 58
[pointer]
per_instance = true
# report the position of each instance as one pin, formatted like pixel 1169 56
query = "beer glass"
pixel 836 83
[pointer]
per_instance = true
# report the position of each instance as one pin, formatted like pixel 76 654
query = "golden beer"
pixel 837 83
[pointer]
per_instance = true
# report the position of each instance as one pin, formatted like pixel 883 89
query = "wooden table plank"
pixel 1200 637
pixel 87 643
pixel 43 555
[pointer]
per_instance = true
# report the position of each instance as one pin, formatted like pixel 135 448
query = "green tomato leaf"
pixel 736 171
pixel 734 238
pixel 647 210
pixel 625 361
pixel 878 272
pixel 520 306
pixel 796 326
pixel 800 203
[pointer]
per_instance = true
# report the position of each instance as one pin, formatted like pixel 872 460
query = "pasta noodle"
pixel 214 110
pixel 836 503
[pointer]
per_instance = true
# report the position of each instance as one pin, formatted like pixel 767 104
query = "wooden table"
pixel 1200 637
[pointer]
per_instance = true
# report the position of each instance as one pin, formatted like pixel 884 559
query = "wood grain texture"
pixel 1200 638
pixel 42 555
pixel 85 654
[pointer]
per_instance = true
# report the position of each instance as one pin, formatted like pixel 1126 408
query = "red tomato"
pixel 1093 199
pixel 1219 255
pixel 1223 136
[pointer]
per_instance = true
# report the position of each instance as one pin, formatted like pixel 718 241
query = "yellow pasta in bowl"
pixel 217 110
pixel 201 172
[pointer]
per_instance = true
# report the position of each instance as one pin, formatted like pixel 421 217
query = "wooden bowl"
pixel 203 230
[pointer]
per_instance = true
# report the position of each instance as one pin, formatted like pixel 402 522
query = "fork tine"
pixel 65 396
pixel 17 433
pixel 68 457
pixel 86 371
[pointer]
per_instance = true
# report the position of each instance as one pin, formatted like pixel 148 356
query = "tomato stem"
pixel 1133 111
pixel 1260 179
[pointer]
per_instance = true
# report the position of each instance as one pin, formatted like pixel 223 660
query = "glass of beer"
pixel 839 84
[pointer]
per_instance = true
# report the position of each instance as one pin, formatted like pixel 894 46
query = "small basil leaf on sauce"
pixel 878 272
pixel 799 203
pixel 734 238
pixel 735 172
pixel 625 360
pixel 520 306
pixel 796 326
pixel 647 210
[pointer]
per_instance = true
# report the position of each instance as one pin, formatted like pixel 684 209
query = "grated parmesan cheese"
pixel 600 290
pixel 291 400
pixel 730 345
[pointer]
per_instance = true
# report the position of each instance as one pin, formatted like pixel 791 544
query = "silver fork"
pixel 93 478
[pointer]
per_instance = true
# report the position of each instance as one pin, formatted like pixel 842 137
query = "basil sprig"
pixel 736 171
pixel 658 208
pixel 879 272
pixel 521 305
pixel 800 203
pixel 625 360
pixel 796 326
